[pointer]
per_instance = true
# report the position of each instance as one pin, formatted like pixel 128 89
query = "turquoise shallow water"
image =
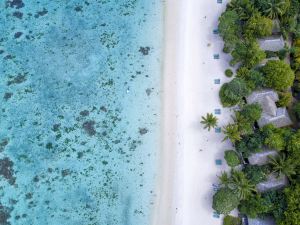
pixel 80 111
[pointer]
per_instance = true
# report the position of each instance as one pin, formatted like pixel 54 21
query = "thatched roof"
pixel 273 183
pixel 271 114
pixel 272 43
pixel 261 158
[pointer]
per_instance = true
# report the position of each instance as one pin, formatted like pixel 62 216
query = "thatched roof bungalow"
pixel 271 114
pixel 273 43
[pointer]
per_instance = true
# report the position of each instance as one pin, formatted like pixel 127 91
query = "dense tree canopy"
pixel 258 26
pixel 225 200
pixel 230 29
pixel 254 79
pixel 232 158
pixel 273 8
pixel 248 53
pixel 232 93
pixel 278 75
pixel 292 213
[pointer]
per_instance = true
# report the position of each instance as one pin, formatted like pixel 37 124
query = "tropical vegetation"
pixel 240 26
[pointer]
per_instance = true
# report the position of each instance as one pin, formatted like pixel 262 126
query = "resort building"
pixel 258 221
pixel 273 43
pixel 272 183
pixel 267 98
pixel 261 158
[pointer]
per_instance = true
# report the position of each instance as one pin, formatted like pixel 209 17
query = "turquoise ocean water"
pixel 80 111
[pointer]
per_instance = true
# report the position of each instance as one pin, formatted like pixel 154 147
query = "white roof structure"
pixel 273 183
pixel 261 158
pixel 271 114
pixel 258 221
pixel 272 43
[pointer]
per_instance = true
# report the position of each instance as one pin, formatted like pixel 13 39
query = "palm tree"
pixel 276 8
pixel 209 121
pixel 282 166
pixel 241 185
pixel 231 132
pixel 244 9
pixel 224 179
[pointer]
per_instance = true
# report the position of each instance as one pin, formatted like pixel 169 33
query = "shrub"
pixel 296 110
pixel 225 200
pixel 251 112
pixel 270 54
pixel 285 99
pixel 250 144
pixel 258 26
pixel 231 220
pixel 297 76
pixel 278 75
pixel 232 93
pixel 255 173
pixel 229 28
pixel 254 206
pixel 232 158
pixel 228 73
pixel 254 79
pixel 283 53
pixel 248 53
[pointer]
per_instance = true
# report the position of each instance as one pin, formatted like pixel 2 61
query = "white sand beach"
pixel 188 169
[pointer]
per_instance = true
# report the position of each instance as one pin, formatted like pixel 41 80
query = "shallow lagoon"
pixel 80 105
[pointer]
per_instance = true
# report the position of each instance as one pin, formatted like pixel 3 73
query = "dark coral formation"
pixel 15 4
pixel 20 78
pixel 7 171
pixel 144 50
pixel 89 128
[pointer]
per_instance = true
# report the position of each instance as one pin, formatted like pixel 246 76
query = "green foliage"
pixel 229 29
pixel 225 200
pixel 255 173
pixel 249 144
pixel 246 117
pixel 296 110
pixel 224 179
pixel 292 213
pixel 232 93
pixel 241 185
pixel 273 8
pixel 283 53
pixel 285 99
pixel 232 158
pixel 270 54
pixel 276 202
pixel 275 138
pixel 244 8
pixel 251 112
pixel 272 202
pixel 228 73
pixel 231 220
pixel 248 53
pixel 209 121
pixel 278 75
pixel 258 26
pixel 282 165
pixel 254 79
pixel 254 206
pixel 232 133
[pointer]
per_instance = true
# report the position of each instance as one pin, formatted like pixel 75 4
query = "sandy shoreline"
pixel 164 202
pixel 188 168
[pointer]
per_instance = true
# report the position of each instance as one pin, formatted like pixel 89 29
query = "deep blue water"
pixel 80 111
